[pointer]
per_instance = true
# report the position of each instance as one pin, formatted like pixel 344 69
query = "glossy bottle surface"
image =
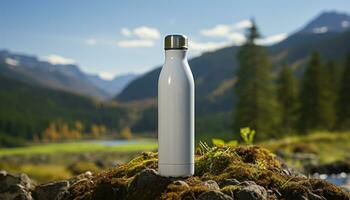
pixel 176 116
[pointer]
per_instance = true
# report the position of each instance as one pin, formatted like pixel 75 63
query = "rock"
pixel 214 195
pixel 50 190
pixel 230 181
pixel 212 185
pixel 148 184
pixel 247 183
pixel 114 191
pixel 84 176
pixel 181 184
pixel 251 192
pixel 15 186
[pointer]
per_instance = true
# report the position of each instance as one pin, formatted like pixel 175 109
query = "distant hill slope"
pixel 26 109
pixel 114 86
pixel 62 77
pixel 214 72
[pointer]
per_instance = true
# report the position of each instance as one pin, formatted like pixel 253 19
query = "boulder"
pixel 230 181
pixel 147 185
pixel 211 185
pixel 214 195
pixel 251 192
pixel 15 186
pixel 50 191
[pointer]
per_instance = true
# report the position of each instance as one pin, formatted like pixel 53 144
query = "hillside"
pixel 214 72
pixel 27 109
pixel 55 76
pixel 113 86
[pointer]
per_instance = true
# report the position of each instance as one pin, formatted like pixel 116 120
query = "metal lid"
pixel 175 42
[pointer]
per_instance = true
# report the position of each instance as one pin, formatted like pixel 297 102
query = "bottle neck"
pixel 175 55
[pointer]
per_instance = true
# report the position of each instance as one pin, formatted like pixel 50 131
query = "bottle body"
pixel 176 116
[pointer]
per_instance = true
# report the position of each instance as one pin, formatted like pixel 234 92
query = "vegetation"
pixel 343 105
pixel 256 106
pixel 287 93
pixel 31 112
pixel 327 147
pixel 79 147
pixel 228 167
pixel 317 111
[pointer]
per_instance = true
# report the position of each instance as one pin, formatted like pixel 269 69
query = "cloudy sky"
pixel 113 37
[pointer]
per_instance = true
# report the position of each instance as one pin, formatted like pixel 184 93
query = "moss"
pixel 294 190
pixel 193 192
pixel 329 191
pixel 245 163
pixel 81 167
pixel 137 167
pixel 259 156
pixel 231 189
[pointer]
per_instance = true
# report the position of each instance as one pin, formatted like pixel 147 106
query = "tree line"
pixel 319 100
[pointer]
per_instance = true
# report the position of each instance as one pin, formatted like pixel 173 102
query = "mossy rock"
pixel 139 179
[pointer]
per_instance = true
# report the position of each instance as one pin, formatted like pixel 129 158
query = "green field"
pixel 80 147
pixel 56 161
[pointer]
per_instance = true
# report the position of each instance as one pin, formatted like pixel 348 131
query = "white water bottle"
pixel 176 111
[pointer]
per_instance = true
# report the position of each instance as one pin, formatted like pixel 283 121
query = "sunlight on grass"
pixel 77 147
pixel 329 146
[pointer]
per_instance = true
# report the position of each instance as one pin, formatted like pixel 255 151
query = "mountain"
pixel 34 71
pixel 214 72
pixel 114 86
pixel 27 109
pixel 328 22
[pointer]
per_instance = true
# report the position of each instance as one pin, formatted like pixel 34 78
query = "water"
pixel 336 179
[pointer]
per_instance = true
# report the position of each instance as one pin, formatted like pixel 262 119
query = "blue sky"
pixel 113 37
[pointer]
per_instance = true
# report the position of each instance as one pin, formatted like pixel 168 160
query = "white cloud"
pixel 11 61
pixel 106 75
pixel 345 24
pixel 56 59
pixel 232 32
pixel 125 32
pixel 272 39
pixel 244 24
pixel 237 38
pixel 143 36
pixel 91 41
pixel 199 47
pixel 135 43
pixel 220 30
pixel 319 30
pixel 145 32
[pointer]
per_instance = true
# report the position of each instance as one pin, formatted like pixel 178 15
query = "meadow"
pixel 54 161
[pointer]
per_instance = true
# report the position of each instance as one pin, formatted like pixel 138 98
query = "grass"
pixel 328 146
pixel 79 147
pixel 40 172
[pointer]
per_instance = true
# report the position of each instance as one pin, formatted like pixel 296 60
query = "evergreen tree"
pixel 287 96
pixel 343 103
pixel 317 112
pixel 256 106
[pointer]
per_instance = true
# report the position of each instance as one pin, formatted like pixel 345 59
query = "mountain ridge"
pixel 214 71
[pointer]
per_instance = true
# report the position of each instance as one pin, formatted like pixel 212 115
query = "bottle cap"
pixel 175 42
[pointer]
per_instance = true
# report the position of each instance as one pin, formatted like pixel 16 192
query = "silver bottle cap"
pixel 175 42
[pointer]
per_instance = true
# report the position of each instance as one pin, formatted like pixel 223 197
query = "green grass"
pixel 328 146
pixel 79 147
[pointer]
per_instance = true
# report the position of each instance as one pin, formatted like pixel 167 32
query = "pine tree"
pixel 317 112
pixel 343 103
pixel 256 106
pixel 288 97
